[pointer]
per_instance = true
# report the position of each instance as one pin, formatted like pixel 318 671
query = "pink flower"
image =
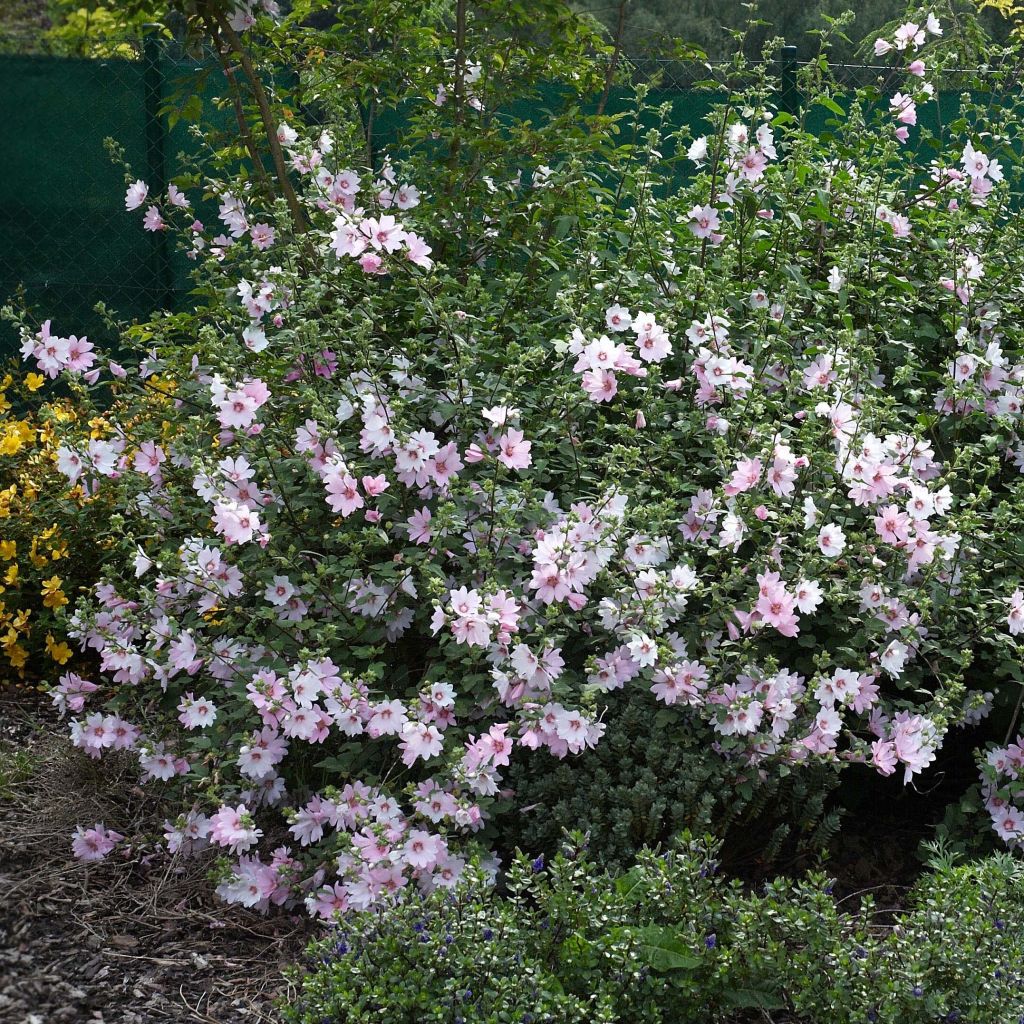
pixel 417 251
pixel 385 234
pixel 236 523
pixel 262 236
pixel 375 485
pixel 372 263
pixel 342 491
pixel 420 741
pixel 423 850
pixel 831 540
pixel 892 525
pixel 136 195
pixel 419 526
pixel 705 222
pixel 153 221
pixel 93 844
pixel 746 475
pixel 149 458
pixel 618 318
pixel 515 452
pixel 233 828
pixel 904 108
pixel 600 385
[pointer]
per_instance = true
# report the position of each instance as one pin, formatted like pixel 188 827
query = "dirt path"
pixel 135 941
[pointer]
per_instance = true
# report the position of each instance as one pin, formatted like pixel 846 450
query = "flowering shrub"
pixel 672 940
pixel 39 572
pixel 457 445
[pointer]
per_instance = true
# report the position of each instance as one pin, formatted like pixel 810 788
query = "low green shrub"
pixel 672 940
pixel 642 785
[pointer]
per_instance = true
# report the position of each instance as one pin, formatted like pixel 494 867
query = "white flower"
pixel 698 150
pixel 643 650
pixel 831 540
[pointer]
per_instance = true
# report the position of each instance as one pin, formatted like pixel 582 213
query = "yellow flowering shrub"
pixel 42 568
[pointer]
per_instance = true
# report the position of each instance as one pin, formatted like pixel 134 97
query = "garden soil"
pixel 134 941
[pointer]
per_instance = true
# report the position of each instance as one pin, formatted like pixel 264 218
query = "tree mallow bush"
pixel 488 415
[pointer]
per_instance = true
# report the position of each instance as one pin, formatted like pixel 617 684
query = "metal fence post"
pixel 790 97
pixel 152 79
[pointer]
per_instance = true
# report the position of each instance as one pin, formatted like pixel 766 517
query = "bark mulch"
pixel 139 939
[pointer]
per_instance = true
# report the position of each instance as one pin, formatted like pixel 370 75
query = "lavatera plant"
pixel 480 438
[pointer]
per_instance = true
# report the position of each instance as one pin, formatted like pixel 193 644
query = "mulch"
pixel 140 939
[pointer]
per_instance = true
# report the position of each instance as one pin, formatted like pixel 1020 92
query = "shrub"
pixel 42 569
pixel 641 785
pixel 672 940
pixel 482 420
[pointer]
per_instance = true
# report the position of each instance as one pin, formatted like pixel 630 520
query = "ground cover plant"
pixel 513 424
pixel 673 940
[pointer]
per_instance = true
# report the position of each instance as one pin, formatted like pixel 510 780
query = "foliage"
pixel 482 417
pixel 671 940
pixel 656 28
pixel 642 785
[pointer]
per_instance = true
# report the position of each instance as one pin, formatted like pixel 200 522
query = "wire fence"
pixel 67 243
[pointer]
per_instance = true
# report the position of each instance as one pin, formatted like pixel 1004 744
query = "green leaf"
pixel 664 949
pixel 830 104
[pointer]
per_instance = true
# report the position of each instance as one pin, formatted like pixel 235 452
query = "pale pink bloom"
pixel 515 451
pixel 342 492
pixel 419 526
pixel 1015 618
pixel 93 844
pixel 153 221
pixel 831 540
pixel 196 713
pixel 136 195
pixel 419 741
pixel 262 236
pixel 705 222
pixel 423 850
pixel 746 475
pixel 149 458
pixel 232 827
pixel 177 198
pixel 417 251
pixel 600 385
pixel 618 318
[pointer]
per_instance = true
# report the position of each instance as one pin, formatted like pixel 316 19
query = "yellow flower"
pixel 11 576
pixel 17 656
pixel 60 652
pixel 53 596
pixel 34 381
pixel 37 560
pixel 8 549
